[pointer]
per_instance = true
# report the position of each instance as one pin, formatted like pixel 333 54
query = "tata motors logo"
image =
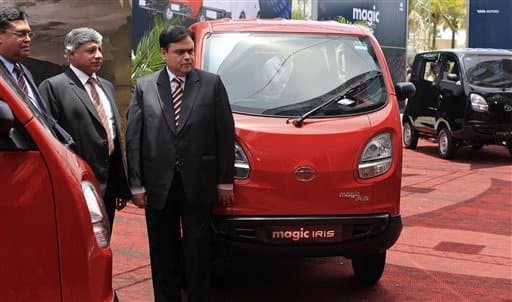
pixel 362 14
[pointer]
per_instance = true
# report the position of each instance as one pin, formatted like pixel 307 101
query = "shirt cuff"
pixel 227 187
pixel 137 190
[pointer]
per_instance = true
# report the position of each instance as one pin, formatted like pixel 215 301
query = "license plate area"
pixel 297 235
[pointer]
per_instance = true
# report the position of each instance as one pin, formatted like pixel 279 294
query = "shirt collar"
pixel 172 75
pixel 8 64
pixel 82 76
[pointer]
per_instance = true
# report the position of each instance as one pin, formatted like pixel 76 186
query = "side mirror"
pixel 453 77
pixel 404 90
pixel 6 119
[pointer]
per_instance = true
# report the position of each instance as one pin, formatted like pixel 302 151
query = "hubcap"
pixel 443 142
pixel 407 133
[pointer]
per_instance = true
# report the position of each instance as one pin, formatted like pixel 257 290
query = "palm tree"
pixel 146 58
pixel 455 17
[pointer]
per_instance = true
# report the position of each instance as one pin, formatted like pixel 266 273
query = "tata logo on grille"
pixel 305 173
pixel 507 107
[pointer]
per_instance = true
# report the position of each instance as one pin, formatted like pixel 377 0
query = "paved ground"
pixel 456 244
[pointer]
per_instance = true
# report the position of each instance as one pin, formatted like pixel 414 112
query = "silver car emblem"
pixel 507 107
pixel 305 173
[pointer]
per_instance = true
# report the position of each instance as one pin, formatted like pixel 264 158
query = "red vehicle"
pixel 318 140
pixel 53 225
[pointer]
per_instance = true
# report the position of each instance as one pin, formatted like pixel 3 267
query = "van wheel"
pixel 410 136
pixel 446 144
pixel 368 268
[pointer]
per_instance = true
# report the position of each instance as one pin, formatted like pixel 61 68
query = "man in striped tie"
pixel 15 39
pixel 84 105
pixel 180 150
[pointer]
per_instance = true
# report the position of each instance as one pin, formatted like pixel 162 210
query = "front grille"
pixel 251 229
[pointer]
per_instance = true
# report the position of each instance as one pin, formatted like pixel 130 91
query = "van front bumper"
pixel 306 235
pixel 484 133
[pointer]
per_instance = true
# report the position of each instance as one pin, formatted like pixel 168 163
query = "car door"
pixel 29 269
pixel 426 100
pixel 452 100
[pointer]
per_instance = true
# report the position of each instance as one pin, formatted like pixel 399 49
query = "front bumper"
pixel 365 234
pixel 483 133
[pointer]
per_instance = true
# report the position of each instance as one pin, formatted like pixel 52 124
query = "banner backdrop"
pixel 386 18
pixel 490 24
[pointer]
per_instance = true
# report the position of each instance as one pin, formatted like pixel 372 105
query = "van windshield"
pixel 489 70
pixel 283 74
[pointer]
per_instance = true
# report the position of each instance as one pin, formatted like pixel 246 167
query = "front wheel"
pixel 368 268
pixel 446 144
pixel 410 136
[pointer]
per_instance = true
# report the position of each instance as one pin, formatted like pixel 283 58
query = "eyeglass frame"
pixel 20 33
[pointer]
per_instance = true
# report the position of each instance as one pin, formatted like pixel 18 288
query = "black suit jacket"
pixel 72 108
pixel 203 143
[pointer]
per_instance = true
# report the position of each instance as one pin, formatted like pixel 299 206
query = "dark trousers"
pixel 175 257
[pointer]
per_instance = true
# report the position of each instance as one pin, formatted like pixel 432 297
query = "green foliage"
pixel 146 58
pixel 342 20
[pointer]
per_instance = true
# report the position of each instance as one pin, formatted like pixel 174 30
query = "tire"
pixel 409 135
pixel 168 14
pixel 446 144
pixel 368 268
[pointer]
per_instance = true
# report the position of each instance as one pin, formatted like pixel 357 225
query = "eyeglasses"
pixel 21 33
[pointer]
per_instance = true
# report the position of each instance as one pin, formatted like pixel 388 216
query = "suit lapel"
pixel 112 100
pixel 78 88
pixel 164 91
pixel 189 97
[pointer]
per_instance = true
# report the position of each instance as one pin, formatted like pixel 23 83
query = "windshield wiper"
pixel 299 121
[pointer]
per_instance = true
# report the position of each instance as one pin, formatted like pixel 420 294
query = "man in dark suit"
pixel 84 105
pixel 180 149
pixel 15 40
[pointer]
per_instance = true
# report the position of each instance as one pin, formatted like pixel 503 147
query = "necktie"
pixel 101 113
pixel 177 99
pixel 21 79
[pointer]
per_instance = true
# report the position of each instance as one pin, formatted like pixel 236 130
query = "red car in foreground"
pixel 318 140
pixel 53 226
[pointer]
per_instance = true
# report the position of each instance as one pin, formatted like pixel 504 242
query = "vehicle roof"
pixel 280 25
pixel 473 51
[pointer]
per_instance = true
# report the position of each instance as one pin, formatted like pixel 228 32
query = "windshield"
pixel 284 74
pixel 489 70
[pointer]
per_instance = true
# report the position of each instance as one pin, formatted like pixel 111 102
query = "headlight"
pixel 242 167
pixel 377 156
pixel 478 103
pixel 99 219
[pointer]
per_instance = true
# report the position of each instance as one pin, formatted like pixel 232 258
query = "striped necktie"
pixel 177 99
pixel 20 78
pixel 102 113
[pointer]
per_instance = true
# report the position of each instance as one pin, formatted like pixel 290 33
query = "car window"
pixel 289 74
pixel 431 71
pixel 489 70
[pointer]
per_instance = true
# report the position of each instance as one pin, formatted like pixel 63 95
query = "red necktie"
pixel 101 113
pixel 177 99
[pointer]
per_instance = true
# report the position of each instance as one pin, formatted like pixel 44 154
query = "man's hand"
pixel 140 200
pixel 120 203
pixel 226 197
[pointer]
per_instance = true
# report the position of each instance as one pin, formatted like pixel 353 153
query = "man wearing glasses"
pixel 15 39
